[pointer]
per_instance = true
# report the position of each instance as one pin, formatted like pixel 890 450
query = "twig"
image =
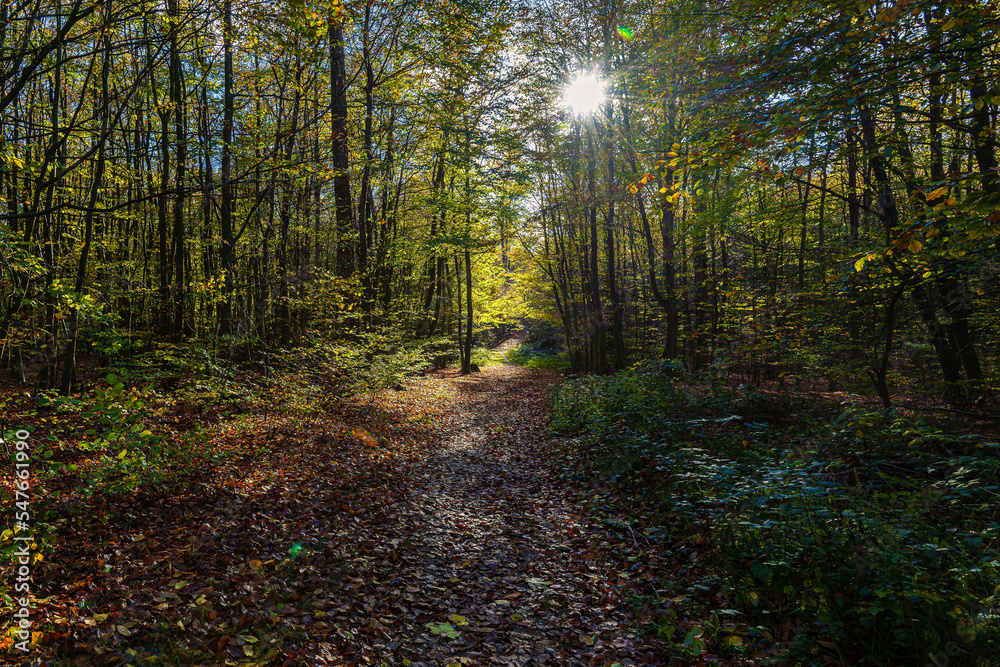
pixel 952 410
pixel 634 541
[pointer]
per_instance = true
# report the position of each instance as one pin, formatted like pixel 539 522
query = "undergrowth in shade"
pixel 868 536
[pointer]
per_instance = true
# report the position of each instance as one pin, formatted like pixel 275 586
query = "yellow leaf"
pixel 458 620
pixel 932 232
pixel 632 189
pixel 860 264
pixel 256 565
pixel 949 24
pixel 365 437
pixel 36 637
pixel 915 246
pixel 734 640
pixel 938 193
pixel 662 190
pixel 860 433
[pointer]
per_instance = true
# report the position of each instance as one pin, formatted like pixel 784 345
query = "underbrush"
pixel 536 355
pixel 366 365
pixel 483 356
pixel 147 429
pixel 868 537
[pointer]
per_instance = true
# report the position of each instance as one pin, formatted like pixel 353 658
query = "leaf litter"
pixel 429 527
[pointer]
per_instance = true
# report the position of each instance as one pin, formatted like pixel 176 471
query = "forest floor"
pixel 428 526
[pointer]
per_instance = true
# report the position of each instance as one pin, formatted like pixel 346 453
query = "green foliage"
pixel 869 528
pixel 484 356
pixel 533 355
pixel 367 365
pixel 131 455
pixel 637 401
pixel 193 371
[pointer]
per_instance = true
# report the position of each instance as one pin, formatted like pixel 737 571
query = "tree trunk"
pixel 69 361
pixel 226 207
pixel 342 177
pixel 598 327
pixel 180 138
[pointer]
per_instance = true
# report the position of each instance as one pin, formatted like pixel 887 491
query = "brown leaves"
pixel 427 526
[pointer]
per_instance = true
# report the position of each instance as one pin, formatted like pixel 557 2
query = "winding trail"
pixel 489 544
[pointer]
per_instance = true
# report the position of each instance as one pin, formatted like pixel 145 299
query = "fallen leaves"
pixel 426 527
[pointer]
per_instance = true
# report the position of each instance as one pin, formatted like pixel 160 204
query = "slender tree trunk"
pixel 180 138
pixel 468 311
pixel 617 326
pixel 805 215
pixel 598 327
pixel 69 362
pixel 226 206
pixel 341 178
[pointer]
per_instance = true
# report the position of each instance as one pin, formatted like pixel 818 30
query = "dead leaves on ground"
pixel 429 528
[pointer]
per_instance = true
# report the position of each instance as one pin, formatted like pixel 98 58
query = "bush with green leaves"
pixel 641 401
pixel 483 356
pixel 874 530
pixel 534 355
pixel 367 365
pixel 129 454
pixel 192 371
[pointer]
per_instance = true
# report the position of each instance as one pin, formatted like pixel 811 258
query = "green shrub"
pixel 483 356
pixel 366 365
pixel 533 355
pixel 873 530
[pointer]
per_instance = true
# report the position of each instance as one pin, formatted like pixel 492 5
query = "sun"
pixel 584 95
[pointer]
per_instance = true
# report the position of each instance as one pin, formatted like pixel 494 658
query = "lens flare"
pixel 625 33
pixel 584 94
pixel 295 550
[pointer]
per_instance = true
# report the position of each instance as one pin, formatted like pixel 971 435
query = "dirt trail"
pixel 422 527
pixel 499 551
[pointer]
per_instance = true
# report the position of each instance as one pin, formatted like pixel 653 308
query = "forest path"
pixel 418 527
pixel 491 551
